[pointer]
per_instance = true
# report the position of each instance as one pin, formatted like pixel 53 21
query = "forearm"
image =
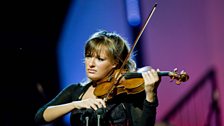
pixel 151 96
pixel 149 113
pixel 53 112
pixel 149 109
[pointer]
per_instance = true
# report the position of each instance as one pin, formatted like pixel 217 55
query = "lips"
pixel 91 71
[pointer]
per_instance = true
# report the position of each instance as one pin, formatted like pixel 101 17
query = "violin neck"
pixel 139 75
pixel 163 73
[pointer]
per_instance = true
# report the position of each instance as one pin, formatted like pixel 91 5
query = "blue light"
pixel 133 12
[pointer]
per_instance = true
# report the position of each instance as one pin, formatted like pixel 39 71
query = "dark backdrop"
pixel 28 39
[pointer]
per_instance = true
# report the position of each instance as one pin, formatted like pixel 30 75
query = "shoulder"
pixel 72 87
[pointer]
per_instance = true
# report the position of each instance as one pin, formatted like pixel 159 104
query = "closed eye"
pixel 100 59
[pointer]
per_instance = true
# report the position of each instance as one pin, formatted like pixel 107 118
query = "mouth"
pixel 91 71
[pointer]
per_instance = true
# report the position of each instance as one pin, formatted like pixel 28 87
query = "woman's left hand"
pixel 151 80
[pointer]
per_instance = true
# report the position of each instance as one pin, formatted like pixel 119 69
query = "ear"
pixel 115 65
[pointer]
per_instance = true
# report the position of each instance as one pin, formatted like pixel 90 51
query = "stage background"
pixel 42 52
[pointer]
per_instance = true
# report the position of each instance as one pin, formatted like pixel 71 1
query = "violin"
pixel 132 83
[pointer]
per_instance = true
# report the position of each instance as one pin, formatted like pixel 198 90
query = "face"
pixel 98 66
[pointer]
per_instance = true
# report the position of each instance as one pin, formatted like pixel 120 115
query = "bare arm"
pixel 58 106
pixel 53 112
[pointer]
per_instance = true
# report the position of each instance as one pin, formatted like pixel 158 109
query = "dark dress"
pixel 122 110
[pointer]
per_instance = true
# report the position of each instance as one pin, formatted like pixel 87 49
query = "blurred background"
pixel 42 52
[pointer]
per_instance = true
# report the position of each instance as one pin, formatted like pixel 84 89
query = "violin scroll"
pixel 179 77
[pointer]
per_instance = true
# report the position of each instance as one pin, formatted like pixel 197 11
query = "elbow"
pixel 39 119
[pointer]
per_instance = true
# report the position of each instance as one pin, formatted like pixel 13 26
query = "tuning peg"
pixel 182 72
pixel 178 82
pixel 175 70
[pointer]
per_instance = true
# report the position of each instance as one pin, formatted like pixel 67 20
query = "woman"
pixel 105 53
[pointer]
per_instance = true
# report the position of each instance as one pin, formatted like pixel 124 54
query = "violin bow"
pixel 132 48
pixel 138 37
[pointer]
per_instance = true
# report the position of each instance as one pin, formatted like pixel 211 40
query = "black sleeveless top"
pixel 122 110
pixel 115 114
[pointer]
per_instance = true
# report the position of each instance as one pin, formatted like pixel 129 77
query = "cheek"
pixel 105 68
pixel 86 64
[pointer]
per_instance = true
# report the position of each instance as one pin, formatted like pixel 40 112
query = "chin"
pixel 93 78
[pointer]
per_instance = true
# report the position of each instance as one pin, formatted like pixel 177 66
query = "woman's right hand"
pixel 90 103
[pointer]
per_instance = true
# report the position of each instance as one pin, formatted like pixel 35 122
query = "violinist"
pixel 105 53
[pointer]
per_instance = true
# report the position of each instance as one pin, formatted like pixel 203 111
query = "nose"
pixel 91 62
